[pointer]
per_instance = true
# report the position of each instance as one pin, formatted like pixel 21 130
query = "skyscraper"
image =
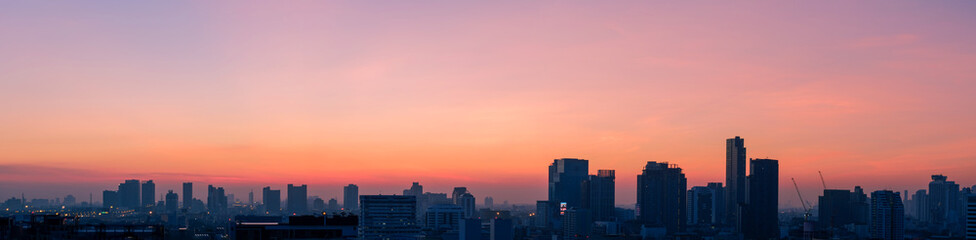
pixel 271 199
pixel 216 199
pixel 333 205
pixel 489 202
pixel 887 216
pixel 128 194
pixel 566 185
pixel 467 202
pixel 661 196
pixel 388 217
pixel 943 201
pixel 501 229
pixel 701 206
pixel 350 197
pixel 297 198
pixel 187 195
pixel 172 202
pixel 718 196
pixel 148 193
pixel 761 219
pixel 921 205
pixel 415 190
pixel 456 195
pixel 735 181
pixel 601 199
pixel 835 209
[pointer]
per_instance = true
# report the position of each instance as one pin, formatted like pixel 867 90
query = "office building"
pixel 128 194
pixel 333 205
pixel 735 181
pixel 444 217
pixel 187 195
pixel 467 202
pixel 944 201
pixel 172 202
pixel 388 217
pixel 456 195
pixel 415 189
pixel 489 202
pixel 216 199
pixel 567 178
pixel 350 198
pixel 835 209
pixel 601 199
pixel 271 199
pixel 971 216
pixel 297 198
pixel 701 206
pixel 661 196
pixel 110 199
pixel 920 202
pixel 761 219
pixel 148 193
pixel 577 223
pixel 887 216
pixel 501 229
pixel 470 229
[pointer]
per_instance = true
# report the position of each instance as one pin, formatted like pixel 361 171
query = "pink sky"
pixel 879 94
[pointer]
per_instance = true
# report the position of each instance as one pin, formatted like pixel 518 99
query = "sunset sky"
pixel 240 94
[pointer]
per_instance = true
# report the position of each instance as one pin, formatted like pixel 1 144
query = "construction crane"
pixel 822 180
pixel 807 224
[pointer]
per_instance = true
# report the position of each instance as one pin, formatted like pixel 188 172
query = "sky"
pixel 241 94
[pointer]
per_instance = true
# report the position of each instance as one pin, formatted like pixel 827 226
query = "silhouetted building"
pixel 920 202
pixel 971 216
pixel 69 200
pixel 128 194
pixel 566 185
pixel 701 206
pixel 172 202
pixel 718 195
pixel 318 205
pixel 735 181
pixel 761 220
pixel 297 198
pixel 333 205
pixel 388 217
pixel 456 195
pixel 271 199
pixel 467 202
pixel 109 199
pixel 944 201
pixel 350 197
pixel 148 193
pixel 443 217
pixel 860 207
pixel 835 209
pixel 187 195
pixel 543 214
pixel 501 229
pixel 416 190
pixel 601 198
pixel 577 223
pixel 470 229
pixel 661 196
pixel 216 199
pixel 489 202
pixel 887 216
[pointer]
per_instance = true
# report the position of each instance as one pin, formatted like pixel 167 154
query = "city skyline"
pixel 481 96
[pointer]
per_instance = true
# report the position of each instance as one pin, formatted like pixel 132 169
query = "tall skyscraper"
pixel 187 195
pixel 735 181
pixel 388 217
pixel 921 205
pixel 887 216
pixel 216 199
pixel 860 207
pixel 467 202
pixel 943 200
pixel 148 193
pixel 566 185
pixel 661 196
pixel 271 199
pixel 128 194
pixel 298 198
pixel 718 196
pixel 350 197
pixel 601 199
pixel 172 202
pixel 761 219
